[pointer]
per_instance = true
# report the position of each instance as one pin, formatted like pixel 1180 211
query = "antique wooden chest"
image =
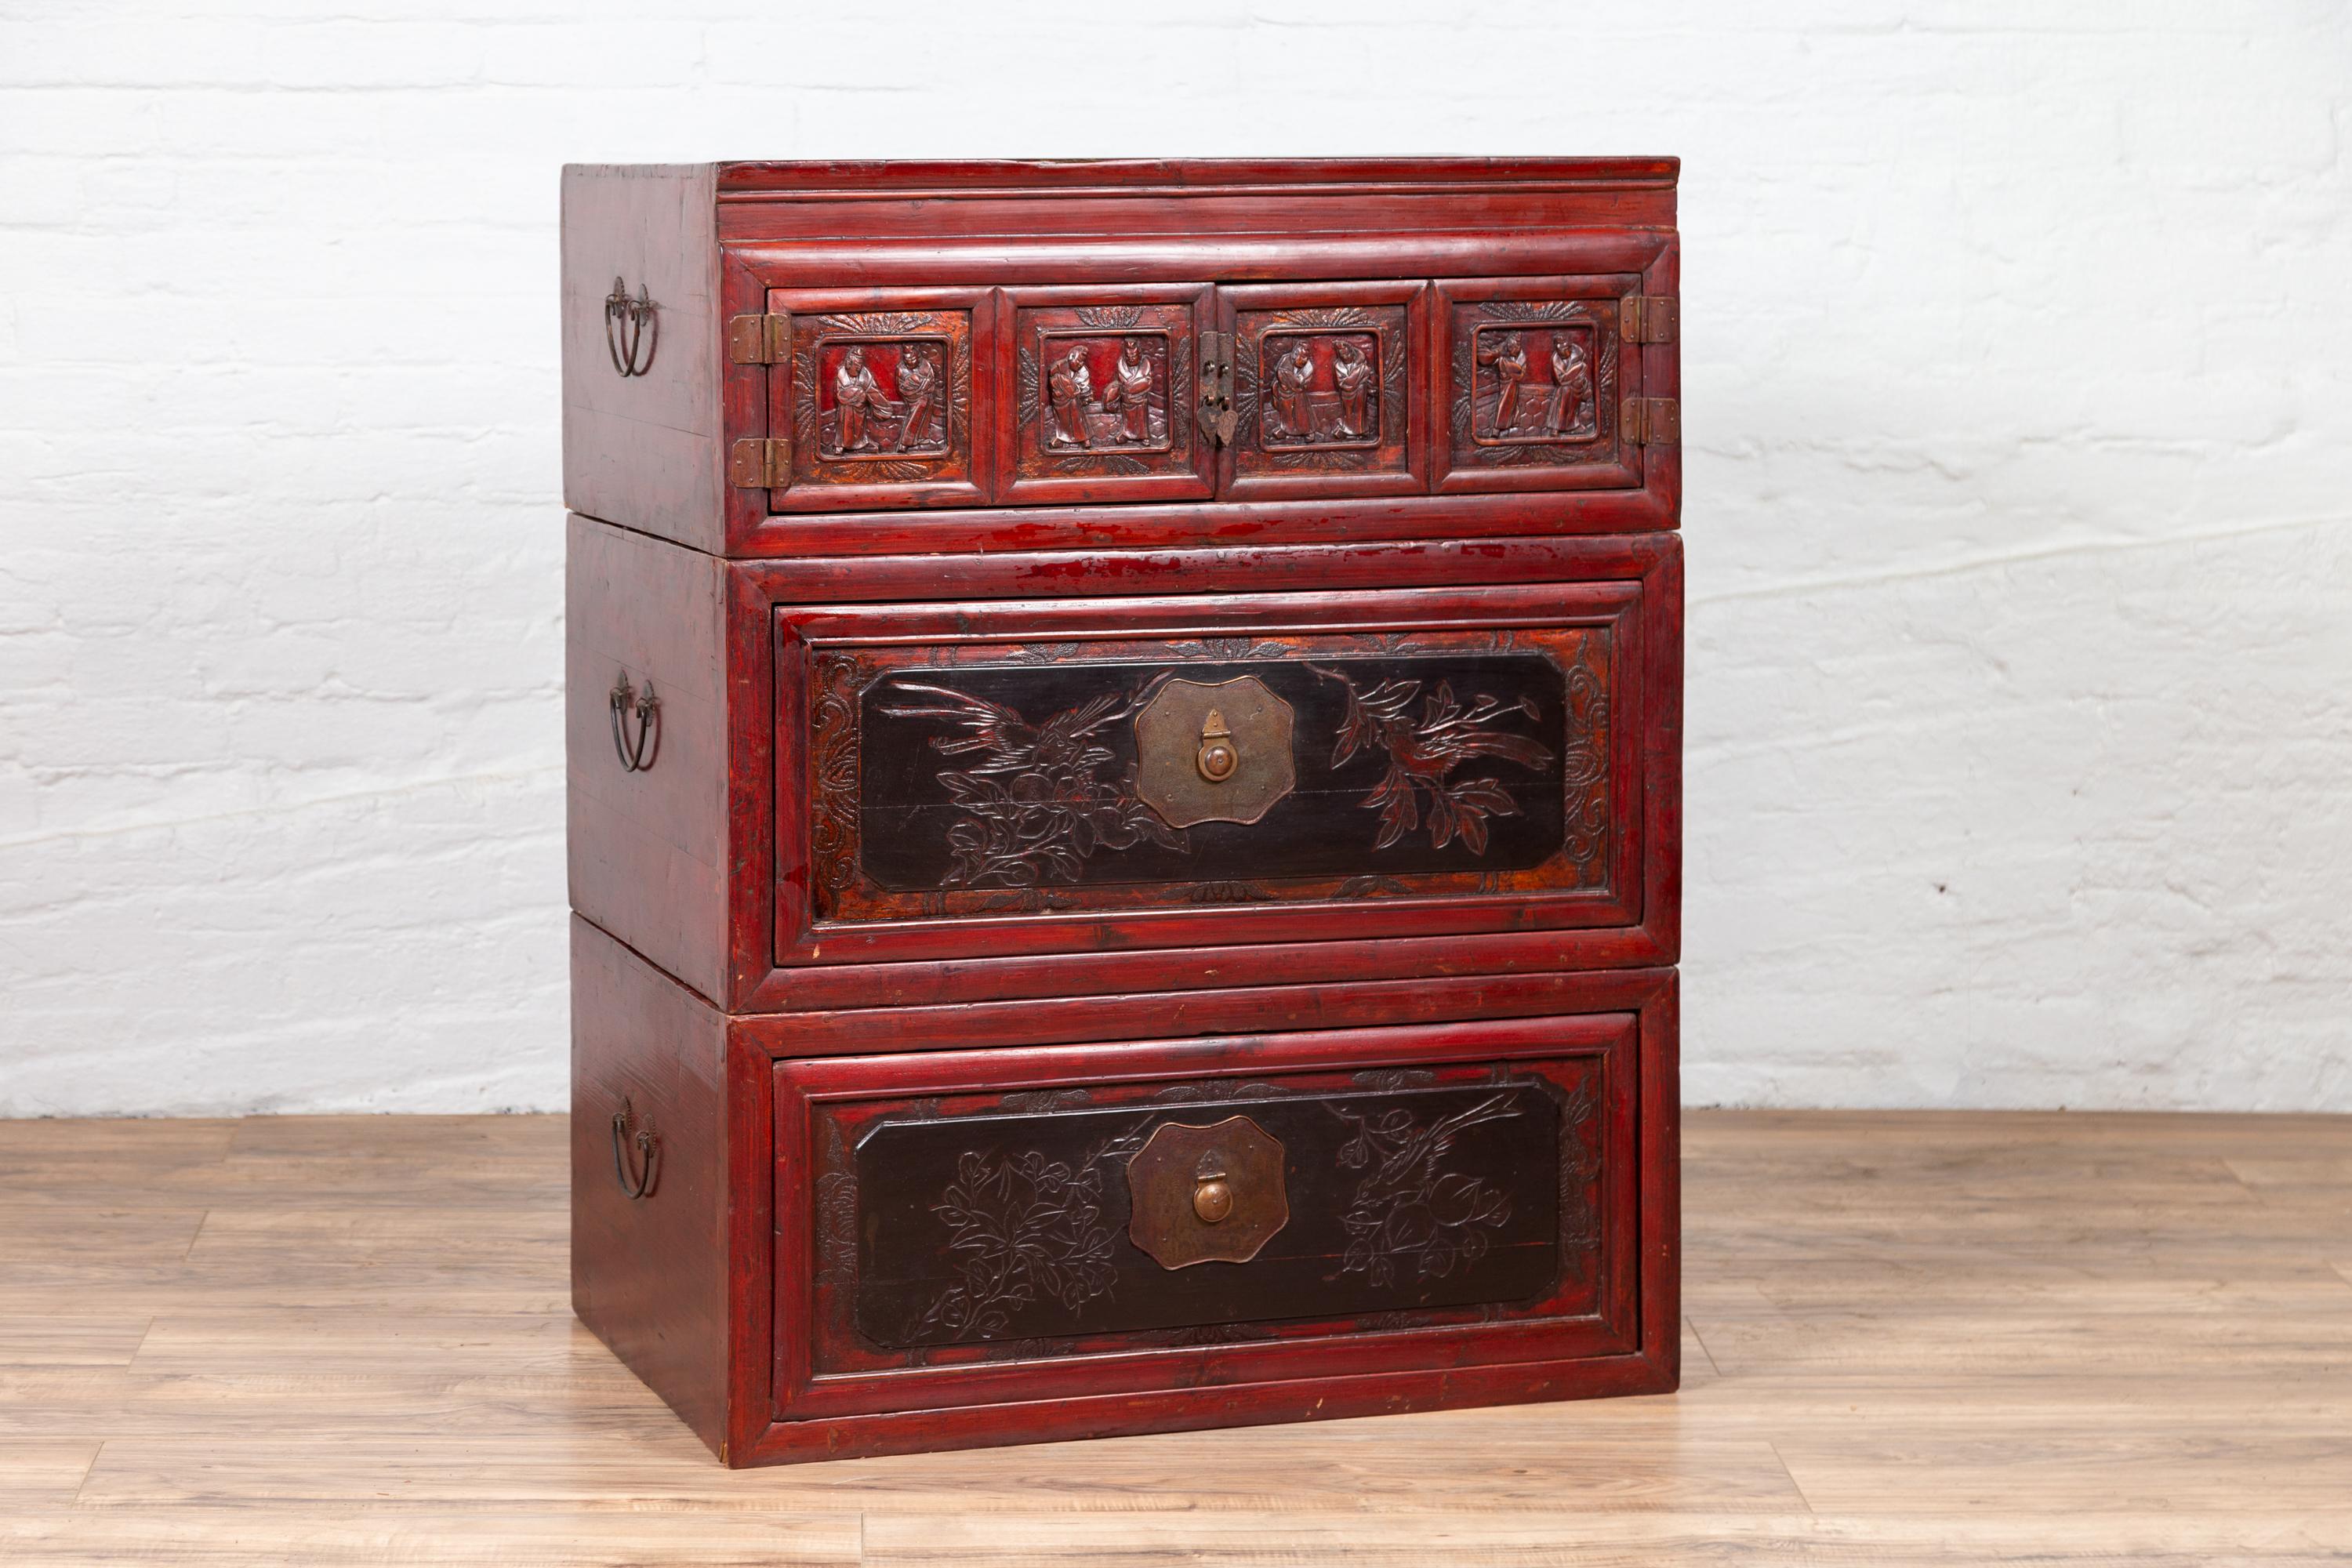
pixel 1124 730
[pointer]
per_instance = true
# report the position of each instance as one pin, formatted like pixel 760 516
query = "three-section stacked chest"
pixel 1124 791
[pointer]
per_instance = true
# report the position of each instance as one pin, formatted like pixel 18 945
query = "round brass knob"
pixel 1213 1200
pixel 1217 758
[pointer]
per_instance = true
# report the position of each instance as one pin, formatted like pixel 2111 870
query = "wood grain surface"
pixel 1910 1338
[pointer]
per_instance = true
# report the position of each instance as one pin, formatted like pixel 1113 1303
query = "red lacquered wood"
pixel 1610 1328
pixel 710 999
pixel 1617 608
pixel 1035 321
pixel 646 1269
pixel 644 449
pixel 1271 178
pixel 648 849
pixel 784 961
pixel 651 1275
pixel 714 242
pixel 671 858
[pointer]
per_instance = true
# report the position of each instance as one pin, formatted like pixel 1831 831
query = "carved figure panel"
pixel 1536 374
pixel 881 400
pixel 883 397
pixel 1536 384
pixel 1103 401
pixel 1322 390
pixel 1318 389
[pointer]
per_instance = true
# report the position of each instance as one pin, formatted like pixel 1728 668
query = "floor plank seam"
pixel 88 1470
pixel 146 1333
pixel 1712 1366
pixel 1794 1484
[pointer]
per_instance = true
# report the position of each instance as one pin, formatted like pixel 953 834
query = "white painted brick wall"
pixel 2020 508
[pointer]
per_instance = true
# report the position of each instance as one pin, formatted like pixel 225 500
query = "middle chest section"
pixel 981 779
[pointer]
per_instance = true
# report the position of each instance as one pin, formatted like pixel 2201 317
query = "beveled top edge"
pixel 901 179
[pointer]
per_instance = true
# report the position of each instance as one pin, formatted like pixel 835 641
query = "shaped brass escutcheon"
pixel 1214 754
pixel 1206 1195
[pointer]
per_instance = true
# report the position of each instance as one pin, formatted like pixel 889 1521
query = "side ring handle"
pixel 635 1172
pixel 632 327
pixel 635 751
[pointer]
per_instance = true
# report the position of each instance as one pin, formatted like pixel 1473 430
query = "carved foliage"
pixel 1410 1214
pixel 1424 749
pixel 836 1210
pixel 1585 770
pixel 1021 1226
pixel 1580 1168
pixel 1032 804
pixel 834 763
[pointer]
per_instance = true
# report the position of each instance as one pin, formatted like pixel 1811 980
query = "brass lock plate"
pixel 1214 754
pixel 1206 1195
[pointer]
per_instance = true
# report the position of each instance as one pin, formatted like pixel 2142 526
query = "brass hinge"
pixel 759 340
pixel 1652 420
pixel 760 465
pixel 1647 318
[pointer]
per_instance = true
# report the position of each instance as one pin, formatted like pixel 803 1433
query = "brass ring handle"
pixel 635 751
pixel 628 1132
pixel 632 327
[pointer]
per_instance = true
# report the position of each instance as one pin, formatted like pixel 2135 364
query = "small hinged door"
pixel 1536 374
pixel 871 396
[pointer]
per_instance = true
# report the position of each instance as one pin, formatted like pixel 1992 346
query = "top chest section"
pixel 777 360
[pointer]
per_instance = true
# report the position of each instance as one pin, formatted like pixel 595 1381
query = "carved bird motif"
pixel 1013 745
pixel 1423 752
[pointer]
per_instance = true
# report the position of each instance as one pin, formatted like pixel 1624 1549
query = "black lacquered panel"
pixel 1446 762
pixel 1004 1226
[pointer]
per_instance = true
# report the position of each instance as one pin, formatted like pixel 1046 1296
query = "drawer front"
pixel 953 1226
pixel 957 779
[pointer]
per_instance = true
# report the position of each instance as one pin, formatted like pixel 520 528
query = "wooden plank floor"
pixel 1911 1338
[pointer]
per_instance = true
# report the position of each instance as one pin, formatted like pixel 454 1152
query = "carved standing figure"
pixel 919 388
pixel 1571 385
pixel 1509 359
pixel 1071 387
pixel 1351 370
pixel 1129 391
pixel 857 401
pixel 1292 372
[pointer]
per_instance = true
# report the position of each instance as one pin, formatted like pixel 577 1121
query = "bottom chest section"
pixel 940 1228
